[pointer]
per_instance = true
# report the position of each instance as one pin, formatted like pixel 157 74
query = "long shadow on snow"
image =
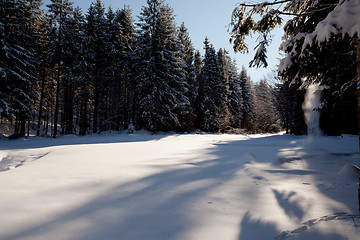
pixel 160 207
pixel 325 158
pixel 41 142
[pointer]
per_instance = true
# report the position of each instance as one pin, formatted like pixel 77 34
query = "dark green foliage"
pixel 209 93
pixel 98 73
pixel 160 85
pixel 188 56
pixel 246 96
pixel 17 61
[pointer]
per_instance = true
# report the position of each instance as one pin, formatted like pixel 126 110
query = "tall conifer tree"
pixel 96 36
pixel 160 87
pixel 209 93
pixel 59 12
pixel 247 97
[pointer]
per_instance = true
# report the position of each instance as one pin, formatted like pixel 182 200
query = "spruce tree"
pixel 197 65
pixel 112 90
pixel 246 96
pixel 160 85
pixel 187 54
pixel 209 93
pixel 128 46
pixel 224 115
pixel 75 77
pixel 59 12
pixel 95 28
pixel 235 101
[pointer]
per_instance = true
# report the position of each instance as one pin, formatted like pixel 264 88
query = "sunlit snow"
pixel 145 186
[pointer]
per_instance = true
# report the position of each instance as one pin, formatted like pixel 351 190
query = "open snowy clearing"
pixel 145 186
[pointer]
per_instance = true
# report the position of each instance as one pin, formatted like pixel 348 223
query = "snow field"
pixel 179 187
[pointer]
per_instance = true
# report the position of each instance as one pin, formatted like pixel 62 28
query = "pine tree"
pixel 209 93
pixel 197 65
pixel 160 85
pixel 95 28
pixel 187 55
pixel 17 62
pixel 59 11
pixel 224 115
pixel 285 102
pixel 75 76
pixel 79 71
pixel 43 56
pixel 125 65
pixel 263 115
pixel 112 83
pixel 235 101
pixel 246 96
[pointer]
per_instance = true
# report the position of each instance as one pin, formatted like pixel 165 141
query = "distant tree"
pixel 263 116
pixel 246 96
pixel 284 104
pixel 235 101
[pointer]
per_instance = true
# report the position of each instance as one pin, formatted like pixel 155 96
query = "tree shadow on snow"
pixel 160 206
pixel 291 208
pixel 163 205
pixel 256 229
pixel 41 142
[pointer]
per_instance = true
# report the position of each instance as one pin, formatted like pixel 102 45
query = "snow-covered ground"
pixel 146 186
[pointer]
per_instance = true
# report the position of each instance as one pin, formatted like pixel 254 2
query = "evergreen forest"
pixel 63 71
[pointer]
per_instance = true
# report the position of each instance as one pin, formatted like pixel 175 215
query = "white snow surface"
pixel 190 186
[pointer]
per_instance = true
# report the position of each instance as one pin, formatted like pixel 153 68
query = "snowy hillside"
pixel 179 187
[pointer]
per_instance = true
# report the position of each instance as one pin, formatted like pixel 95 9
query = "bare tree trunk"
pixel 57 98
pixel 57 101
pixel 41 101
pixel 96 102
pixel 358 97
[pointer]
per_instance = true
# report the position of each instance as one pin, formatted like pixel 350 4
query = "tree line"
pixel 65 72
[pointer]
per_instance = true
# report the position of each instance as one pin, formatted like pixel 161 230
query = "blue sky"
pixel 205 18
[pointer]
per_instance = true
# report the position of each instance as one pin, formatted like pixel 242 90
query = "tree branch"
pixel 265 3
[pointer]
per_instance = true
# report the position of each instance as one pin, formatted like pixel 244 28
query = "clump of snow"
pixel 289 41
pixel 344 20
pixel 285 63
pixel 2 155
pixel 350 170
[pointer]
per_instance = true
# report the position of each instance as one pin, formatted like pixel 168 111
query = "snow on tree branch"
pixel 344 20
